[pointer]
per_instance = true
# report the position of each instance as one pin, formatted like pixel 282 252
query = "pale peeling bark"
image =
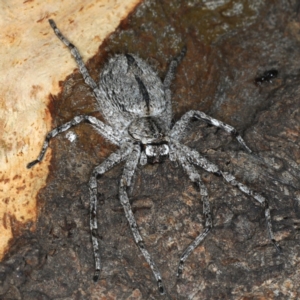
pixel 33 61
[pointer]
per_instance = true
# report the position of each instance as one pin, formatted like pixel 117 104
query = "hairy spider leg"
pixel 129 169
pixel 82 68
pixel 197 159
pixel 261 199
pixel 181 125
pixel 195 177
pixel 114 159
pixel 104 129
pixel 167 83
pixel 74 51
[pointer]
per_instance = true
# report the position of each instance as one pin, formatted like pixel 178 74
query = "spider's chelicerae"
pixel 137 108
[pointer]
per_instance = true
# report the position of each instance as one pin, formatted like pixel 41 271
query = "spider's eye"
pixel 164 150
pixel 157 150
pixel 149 150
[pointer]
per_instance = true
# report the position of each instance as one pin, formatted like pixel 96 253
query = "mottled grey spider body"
pixel 137 108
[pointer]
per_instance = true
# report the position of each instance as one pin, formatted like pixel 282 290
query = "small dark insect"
pixel 137 108
pixel 267 76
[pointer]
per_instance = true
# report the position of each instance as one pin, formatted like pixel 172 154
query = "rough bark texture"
pixel 217 76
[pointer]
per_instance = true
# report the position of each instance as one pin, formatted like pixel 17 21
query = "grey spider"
pixel 136 106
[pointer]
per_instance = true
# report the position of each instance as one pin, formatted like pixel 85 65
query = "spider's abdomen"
pixel 132 88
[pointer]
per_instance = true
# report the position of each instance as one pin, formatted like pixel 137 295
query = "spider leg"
pixel 74 51
pixel 195 158
pixel 111 161
pixel 195 177
pixel 128 172
pixel 82 68
pixel 168 80
pixel 104 129
pixel 180 126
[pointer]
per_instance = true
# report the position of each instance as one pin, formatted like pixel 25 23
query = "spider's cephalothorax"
pixel 136 105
